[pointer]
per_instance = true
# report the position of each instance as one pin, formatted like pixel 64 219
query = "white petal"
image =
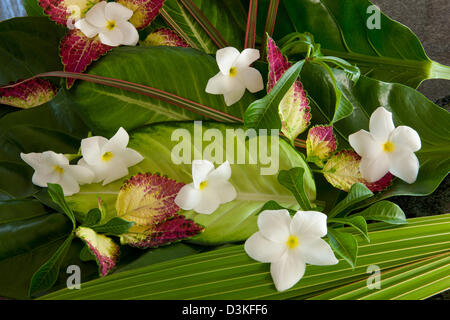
pixel 317 252
pixel 405 165
pixel 53 158
pixel 274 225
pixel 209 201
pixel 130 33
pixel 234 96
pixel 112 37
pixel 33 159
pixel 88 29
pixel 116 11
pixel 364 144
pixel 225 58
pixel 69 185
pixel 91 149
pixel 81 174
pixel 96 15
pixel 225 190
pixel 263 250
pixel 287 271
pixel 406 137
pixel 252 79
pixel 222 172
pixel 373 169
pixel 309 224
pixel 220 84
pixel 381 124
pixel 115 172
pixel 97 177
pixel 117 143
pixel 247 57
pixel 41 179
pixel 188 197
pixel 200 171
pixel 131 157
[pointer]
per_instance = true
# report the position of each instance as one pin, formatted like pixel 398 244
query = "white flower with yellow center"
pixel 289 243
pixel 108 159
pixel 110 21
pixel 386 148
pixel 51 167
pixel 235 74
pixel 210 188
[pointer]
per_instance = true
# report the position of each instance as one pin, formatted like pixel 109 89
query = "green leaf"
pixel 131 110
pixel 56 193
pixel 48 273
pixel 273 205
pixel 93 217
pixel 356 222
pixel 115 227
pixel 358 192
pixel 86 254
pixel 263 113
pixel 254 181
pixel 229 273
pixel 16 210
pixel 384 211
pixel 345 245
pixel 293 181
pixel 390 53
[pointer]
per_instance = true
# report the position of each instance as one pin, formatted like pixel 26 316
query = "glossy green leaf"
pixel 344 244
pixel 388 52
pixel 263 113
pixel 56 193
pixel 92 218
pixel 385 211
pixel 273 205
pixel 115 226
pixel 233 221
pixel 357 222
pixel 48 273
pixel 230 274
pixel 16 210
pixel 293 180
pixel 358 192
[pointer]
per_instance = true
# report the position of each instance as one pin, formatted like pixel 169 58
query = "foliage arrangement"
pixel 97 97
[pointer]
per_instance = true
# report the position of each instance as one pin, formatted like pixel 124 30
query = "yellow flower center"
pixel 388 146
pixel 203 185
pixel 292 242
pixel 107 156
pixel 58 169
pixel 233 72
pixel 110 25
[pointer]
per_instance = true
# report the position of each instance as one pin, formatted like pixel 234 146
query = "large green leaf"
pixel 408 107
pixel 182 71
pixel 28 46
pixel 230 274
pixel 391 53
pixel 234 221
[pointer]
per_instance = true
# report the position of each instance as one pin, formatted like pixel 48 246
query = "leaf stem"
pixel 250 35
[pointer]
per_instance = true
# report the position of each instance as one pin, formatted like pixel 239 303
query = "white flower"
pixel 109 159
pixel 209 189
pixel 51 167
pixel 288 244
pixel 110 22
pixel 386 148
pixel 235 74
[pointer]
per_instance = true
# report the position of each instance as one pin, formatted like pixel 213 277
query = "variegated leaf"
pixel 61 11
pixel 320 144
pixel 164 37
pixel 144 11
pixel 27 94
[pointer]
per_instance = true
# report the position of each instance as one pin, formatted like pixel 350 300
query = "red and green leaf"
pixel 78 52
pixel 250 34
pixel 320 144
pixel 164 37
pixel 148 201
pixel 103 248
pixel 27 94
pixel 294 109
pixel 144 11
pixel 342 171
pixel 62 10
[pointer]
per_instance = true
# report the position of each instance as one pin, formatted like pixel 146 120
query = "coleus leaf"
pixel 294 108
pixel 78 51
pixel 164 37
pixel 105 250
pixel 320 144
pixel 148 201
pixel 27 94
pixel 62 10
pixel 144 11
pixel 342 171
